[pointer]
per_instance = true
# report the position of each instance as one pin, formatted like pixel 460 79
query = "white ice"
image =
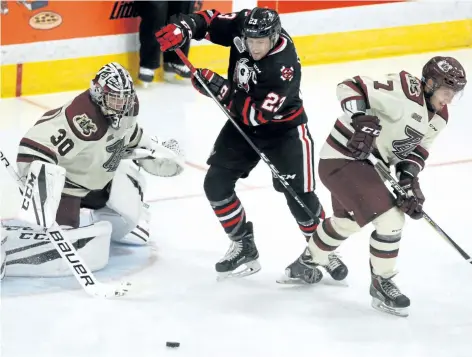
pixel 177 297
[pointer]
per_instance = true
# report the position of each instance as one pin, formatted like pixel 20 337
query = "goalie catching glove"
pixel 161 158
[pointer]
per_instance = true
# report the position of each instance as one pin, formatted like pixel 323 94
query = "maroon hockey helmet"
pixel 445 71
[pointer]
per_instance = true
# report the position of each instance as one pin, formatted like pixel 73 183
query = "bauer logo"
pixel 45 20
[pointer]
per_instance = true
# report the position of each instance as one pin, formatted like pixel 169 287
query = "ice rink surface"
pixel 177 297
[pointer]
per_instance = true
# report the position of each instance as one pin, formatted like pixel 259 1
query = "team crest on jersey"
pixel 414 87
pixel 243 74
pixel 287 73
pixel 117 151
pixel 84 125
pixel 402 148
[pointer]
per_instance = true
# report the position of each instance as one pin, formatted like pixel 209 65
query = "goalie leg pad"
pixel 140 234
pixel 29 252
pixel 42 193
pixel 127 191
pixel 124 208
pixel 3 253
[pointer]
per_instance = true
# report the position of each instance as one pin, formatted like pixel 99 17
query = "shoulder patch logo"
pixel 287 73
pixel 84 125
pixel 414 87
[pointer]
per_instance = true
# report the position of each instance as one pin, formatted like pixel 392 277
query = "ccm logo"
pixel 371 131
pixel 28 191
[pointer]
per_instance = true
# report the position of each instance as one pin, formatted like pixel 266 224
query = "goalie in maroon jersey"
pixel 263 95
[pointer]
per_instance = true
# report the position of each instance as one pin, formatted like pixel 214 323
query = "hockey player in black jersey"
pixel 262 93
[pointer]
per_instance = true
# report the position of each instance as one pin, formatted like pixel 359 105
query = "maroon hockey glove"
pixel 412 204
pixel 218 86
pixel 367 128
pixel 176 33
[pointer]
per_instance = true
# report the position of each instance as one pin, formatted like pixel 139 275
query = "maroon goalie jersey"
pixel 265 94
pixel 78 138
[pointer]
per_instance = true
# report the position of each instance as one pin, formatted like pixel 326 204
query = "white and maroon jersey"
pixel 77 137
pixel 408 128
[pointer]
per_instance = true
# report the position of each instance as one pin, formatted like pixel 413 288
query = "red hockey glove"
pixel 367 128
pixel 176 33
pixel 218 86
pixel 412 204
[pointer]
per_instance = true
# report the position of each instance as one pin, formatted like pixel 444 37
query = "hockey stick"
pixel 67 251
pixel 264 158
pixel 394 183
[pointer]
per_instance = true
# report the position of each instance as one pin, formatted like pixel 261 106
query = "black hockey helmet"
pixel 263 22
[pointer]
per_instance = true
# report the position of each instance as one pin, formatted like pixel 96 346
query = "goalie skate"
pixel 241 258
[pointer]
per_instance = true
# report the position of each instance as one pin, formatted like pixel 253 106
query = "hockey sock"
pixel 232 216
pixel 383 253
pixel 325 241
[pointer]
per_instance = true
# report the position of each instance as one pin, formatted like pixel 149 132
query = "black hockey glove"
pixel 367 128
pixel 412 204
pixel 218 86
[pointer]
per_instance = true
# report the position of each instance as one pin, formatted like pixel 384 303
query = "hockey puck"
pixel 172 344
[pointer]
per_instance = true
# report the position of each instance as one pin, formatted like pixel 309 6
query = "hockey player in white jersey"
pixel 397 118
pixel 91 137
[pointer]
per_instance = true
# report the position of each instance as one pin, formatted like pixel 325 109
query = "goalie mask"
pixel 444 79
pixel 112 89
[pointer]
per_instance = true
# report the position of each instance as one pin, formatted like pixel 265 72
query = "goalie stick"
pixel 67 251
pixel 264 158
pixel 428 219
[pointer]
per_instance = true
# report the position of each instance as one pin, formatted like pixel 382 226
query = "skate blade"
pixel 288 280
pixel 248 269
pixel 172 77
pixel 285 280
pixel 396 311
pixel 144 85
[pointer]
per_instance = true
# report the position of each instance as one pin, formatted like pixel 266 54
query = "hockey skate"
pixel 305 271
pixel 174 71
pixel 242 252
pixel 336 268
pixel 386 297
pixel 146 76
pixel 302 271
